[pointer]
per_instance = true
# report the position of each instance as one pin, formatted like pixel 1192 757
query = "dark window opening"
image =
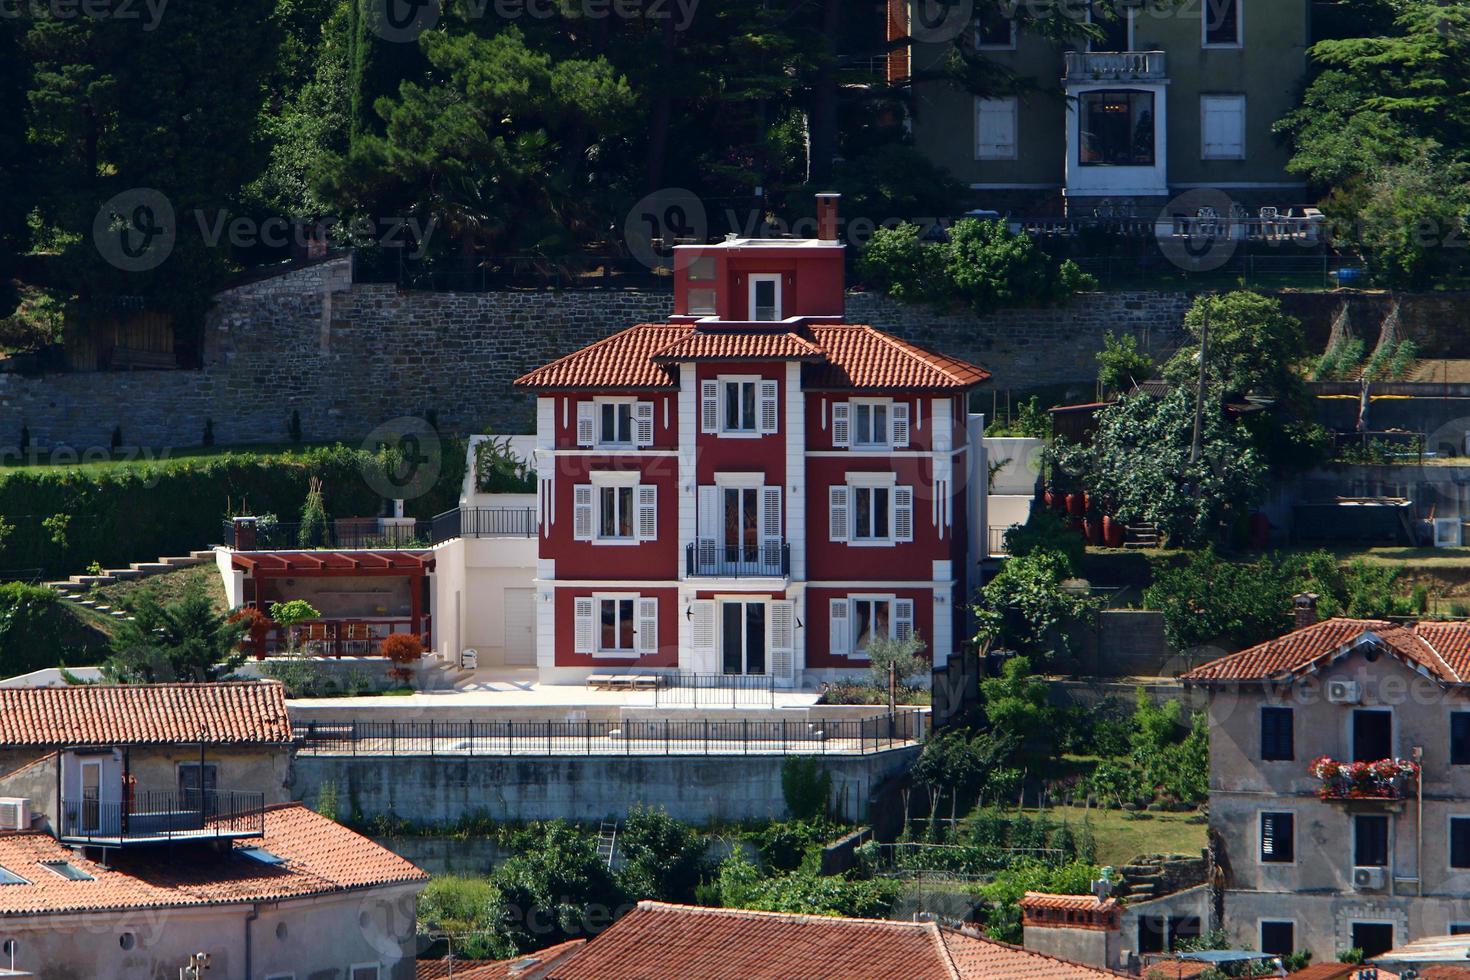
pixel 1278 838
pixel 1460 738
pixel 1460 842
pixel 1277 744
pixel 1373 938
pixel 1151 933
pixel 1278 938
pixel 1370 841
pixel 1114 25
pixel 1117 129
pixel 993 30
pixel 1222 21
pixel 1372 735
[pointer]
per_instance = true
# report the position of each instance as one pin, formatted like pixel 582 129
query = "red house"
pixel 754 487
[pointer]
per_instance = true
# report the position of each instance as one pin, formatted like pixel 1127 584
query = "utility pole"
pixel 1199 395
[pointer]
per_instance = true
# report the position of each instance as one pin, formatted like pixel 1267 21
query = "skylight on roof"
pixel 11 878
pixel 67 870
pixel 262 855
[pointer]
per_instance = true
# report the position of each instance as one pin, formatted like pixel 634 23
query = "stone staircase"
pixel 1139 536
pixel 1157 875
pixel 77 588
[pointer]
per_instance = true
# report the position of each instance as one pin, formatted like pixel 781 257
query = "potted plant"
pixel 405 650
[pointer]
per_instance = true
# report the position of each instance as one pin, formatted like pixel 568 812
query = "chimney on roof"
pixel 1304 605
pixel 827 217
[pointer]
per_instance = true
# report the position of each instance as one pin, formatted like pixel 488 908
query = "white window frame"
pixel 776 279
pixel 1204 147
pixel 1204 26
pixel 999 151
pixel 1275 920
pixel 766 419
pixel 592 435
pixel 616 653
pixel 848 646
pixel 1261 836
pixel 896 430
pixel 587 506
pixel 1008 46
pixel 726 432
pixel 900 514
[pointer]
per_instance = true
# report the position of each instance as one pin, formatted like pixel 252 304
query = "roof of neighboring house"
pixel 1438 650
pixel 656 941
pixel 532 966
pixel 1067 903
pixel 237 713
pixel 840 356
pixel 317 856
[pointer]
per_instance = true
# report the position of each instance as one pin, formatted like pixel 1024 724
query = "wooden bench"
pixel 623 682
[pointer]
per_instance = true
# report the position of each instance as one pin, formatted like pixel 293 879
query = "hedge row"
pixel 65 519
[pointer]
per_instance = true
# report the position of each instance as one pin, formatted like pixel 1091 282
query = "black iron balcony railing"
pixel 159 816
pixel 716 559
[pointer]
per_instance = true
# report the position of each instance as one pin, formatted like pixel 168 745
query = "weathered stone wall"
pixel 347 357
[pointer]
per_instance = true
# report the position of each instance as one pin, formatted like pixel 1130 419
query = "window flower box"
pixel 1386 779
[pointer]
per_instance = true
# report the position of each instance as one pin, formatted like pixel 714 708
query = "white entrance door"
pixel 520 627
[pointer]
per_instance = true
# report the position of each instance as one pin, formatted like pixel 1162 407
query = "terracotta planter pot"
pixel 1093 528
pixel 1052 499
pixel 1076 504
pixel 1114 532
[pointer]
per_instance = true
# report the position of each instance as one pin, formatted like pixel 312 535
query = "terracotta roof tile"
pixel 624 360
pixel 844 356
pixel 675 942
pixel 1442 650
pixel 532 966
pixel 251 712
pixel 318 857
pixel 739 345
pixel 861 357
pixel 1067 903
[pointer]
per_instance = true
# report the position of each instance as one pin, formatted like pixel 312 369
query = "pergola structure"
pixel 416 566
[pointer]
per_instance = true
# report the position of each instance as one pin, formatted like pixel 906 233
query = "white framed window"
pixel 738 523
pixel 995 30
pixel 364 971
pixel 740 406
pixel 614 423
pixel 616 624
pixel 615 509
pixel 856 619
pixel 995 128
pixel 1222 23
pixel 1222 127
pixel 871 423
pixel 871 509
pixel 765 296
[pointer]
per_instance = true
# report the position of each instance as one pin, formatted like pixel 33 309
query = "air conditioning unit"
pixel 1370 879
pixel 15 813
pixel 1343 692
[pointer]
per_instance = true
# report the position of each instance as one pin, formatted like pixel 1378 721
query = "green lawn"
pixel 1123 836
pixel 167 586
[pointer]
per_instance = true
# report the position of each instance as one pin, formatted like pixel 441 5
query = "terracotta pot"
pixel 1114 532
pixel 1094 530
pixel 1076 504
pixel 1051 498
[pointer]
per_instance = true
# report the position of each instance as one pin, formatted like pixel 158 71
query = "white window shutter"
pixel 839 639
pixel 586 423
pixel 769 403
pixel 643 423
pixel 837 514
pixel 783 640
pixel 995 129
pixel 582 512
pixel 903 513
pixel 903 619
pixel 702 635
pixel 647 625
pixel 647 512
pixel 708 526
pixel 586 632
pixel 709 406
pixel 899 423
pixel 841 424
pixel 771 526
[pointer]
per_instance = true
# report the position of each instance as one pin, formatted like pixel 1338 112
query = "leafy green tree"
pixel 1209 600
pixel 1006 890
pixel 1026 607
pixel 742 886
pixel 1045 530
pixel 903 655
pixel 549 891
pixel 1120 364
pixel 1255 348
pixel 806 785
pixel 1016 703
pixel 663 859
pixel 184 640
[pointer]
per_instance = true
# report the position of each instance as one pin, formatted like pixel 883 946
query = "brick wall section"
pixel 347 357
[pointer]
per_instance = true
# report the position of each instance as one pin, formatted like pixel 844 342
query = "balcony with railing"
pixel 161 817
pixel 707 558
pixel 1384 781
pixel 1115 66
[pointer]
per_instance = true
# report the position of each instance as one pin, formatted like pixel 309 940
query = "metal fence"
pixel 701 737
pixel 365 533
pixel 152 815
pixel 485 522
pixel 1153 271
pixel 716 559
pixel 715 691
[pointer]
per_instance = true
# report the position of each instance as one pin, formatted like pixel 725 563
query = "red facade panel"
pixel 566 629
pixel 745 454
pixel 585 560
pixel 818 623
pixel 813 278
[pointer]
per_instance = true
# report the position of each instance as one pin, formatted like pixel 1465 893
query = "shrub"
pixel 498 470
pixel 806 786
pixel 313 533
pixel 404 649
pixel 36 631
pixel 299 673
pixel 902 655
pixel 1119 364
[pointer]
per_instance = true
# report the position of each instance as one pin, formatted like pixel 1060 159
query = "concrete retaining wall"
pixel 695 790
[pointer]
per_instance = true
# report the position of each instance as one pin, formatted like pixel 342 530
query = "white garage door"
pixel 520 627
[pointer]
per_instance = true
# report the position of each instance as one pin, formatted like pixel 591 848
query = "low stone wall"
pixel 692 789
